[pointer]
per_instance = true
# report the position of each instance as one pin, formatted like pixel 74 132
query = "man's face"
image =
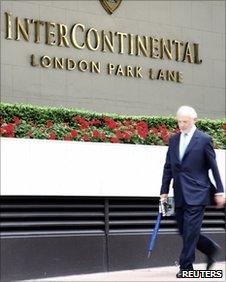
pixel 185 123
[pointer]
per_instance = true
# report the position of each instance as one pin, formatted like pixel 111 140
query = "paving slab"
pixel 147 274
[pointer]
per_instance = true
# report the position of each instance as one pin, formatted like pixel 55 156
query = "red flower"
pixel 10 130
pixel 127 122
pixel 86 137
pixel 119 134
pixel 142 129
pixel 52 136
pixel 110 123
pixel 114 140
pixel 95 122
pixel 17 120
pixel 84 124
pixel 67 137
pixel 78 119
pixel 131 129
pixel 74 133
pixel 155 130
pixel 126 136
pixel 49 123
pixel 96 133
pixel 164 133
pixel 162 128
pixel 165 137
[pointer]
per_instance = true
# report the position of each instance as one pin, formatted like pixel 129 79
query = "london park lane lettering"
pixel 111 69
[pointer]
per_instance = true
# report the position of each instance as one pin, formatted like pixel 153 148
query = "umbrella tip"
pixel 149 254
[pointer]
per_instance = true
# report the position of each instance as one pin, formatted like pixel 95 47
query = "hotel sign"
pixel 80 37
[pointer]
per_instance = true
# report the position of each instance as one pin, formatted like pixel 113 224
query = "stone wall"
pixel 203 85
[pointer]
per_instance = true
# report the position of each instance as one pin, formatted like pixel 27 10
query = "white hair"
pixel 187 111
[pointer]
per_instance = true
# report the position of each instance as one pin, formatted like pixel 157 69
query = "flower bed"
pixel 26 121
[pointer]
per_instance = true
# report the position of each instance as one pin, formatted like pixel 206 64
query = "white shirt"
pixel 185 139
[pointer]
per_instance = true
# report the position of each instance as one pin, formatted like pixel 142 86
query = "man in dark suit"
pixel 190 156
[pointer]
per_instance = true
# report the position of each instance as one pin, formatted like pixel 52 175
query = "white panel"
pixel 46 167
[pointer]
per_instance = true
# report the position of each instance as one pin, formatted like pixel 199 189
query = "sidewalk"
pixel 148 274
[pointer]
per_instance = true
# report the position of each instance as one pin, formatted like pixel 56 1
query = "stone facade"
pixel 203 85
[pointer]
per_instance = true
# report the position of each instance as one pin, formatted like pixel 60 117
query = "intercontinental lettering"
pixel 79 36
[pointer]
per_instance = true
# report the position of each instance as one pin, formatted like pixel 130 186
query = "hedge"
pixel 27 121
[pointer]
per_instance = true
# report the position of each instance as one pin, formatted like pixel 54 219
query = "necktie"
pixel 183 145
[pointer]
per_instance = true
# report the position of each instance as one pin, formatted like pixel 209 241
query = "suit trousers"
pixel 189 219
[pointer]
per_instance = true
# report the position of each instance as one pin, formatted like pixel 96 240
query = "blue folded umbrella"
pixel 154 234
pixel 166 208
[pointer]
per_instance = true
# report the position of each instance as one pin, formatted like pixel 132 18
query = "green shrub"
pixel 26 121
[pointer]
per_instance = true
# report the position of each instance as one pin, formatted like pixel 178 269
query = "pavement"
pixel 147 274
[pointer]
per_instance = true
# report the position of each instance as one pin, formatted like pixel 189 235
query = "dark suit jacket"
pixel 190 176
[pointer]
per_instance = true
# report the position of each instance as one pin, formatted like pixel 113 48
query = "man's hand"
pixel 219 200
pixel 164 197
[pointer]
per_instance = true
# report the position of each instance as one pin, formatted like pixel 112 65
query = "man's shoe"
pixel 211 259
pixel 210 262
pixel 179 274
